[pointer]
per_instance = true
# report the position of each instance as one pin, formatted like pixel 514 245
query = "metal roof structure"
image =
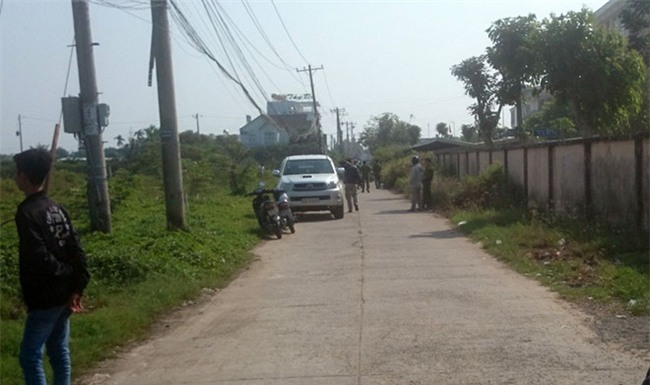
pixel 441 144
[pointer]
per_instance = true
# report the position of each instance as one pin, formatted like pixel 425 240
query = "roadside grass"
pixel 588 265
pixel 584 261
pixel 139 271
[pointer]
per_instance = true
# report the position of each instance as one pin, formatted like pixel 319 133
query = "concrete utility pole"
pixel 19 133
pixel 171 159
pixel 339 133
pixel 99 203
pixel 313 96
pixel 196 116
pixel 347 142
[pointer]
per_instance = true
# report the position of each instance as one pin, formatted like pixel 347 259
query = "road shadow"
pixel 403 211
pixel 441 234
pixel 313 217
pixel 386 199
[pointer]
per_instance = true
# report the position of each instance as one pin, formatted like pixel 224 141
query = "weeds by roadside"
pixel 582 261
pixel 139 271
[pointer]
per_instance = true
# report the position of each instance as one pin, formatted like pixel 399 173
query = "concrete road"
pixel 380 297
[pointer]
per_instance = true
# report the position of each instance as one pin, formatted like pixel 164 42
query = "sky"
pixel 376 57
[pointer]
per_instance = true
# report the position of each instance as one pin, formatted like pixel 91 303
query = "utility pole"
pixel 313 97
pixel 171 159
pixel 99 204
pixel 19 133
pixel 196 116
pixel 339 133
pixel 347 131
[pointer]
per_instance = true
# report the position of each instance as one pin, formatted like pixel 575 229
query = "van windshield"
pixel 308 166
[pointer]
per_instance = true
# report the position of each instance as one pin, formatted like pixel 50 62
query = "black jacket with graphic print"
pixel 52 263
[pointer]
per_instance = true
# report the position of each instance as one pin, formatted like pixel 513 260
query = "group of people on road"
pixel 420 179
pixel 357 176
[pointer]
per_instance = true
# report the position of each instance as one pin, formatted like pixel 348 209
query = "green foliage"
pixel 388 130
pixel 580 265
pixel 469 133
pixel 514 55
pixel 491 189
pixel 481 83
pixel 554 115
pixel 395 173
pixel 591 69
pixel 140 269
pixel 635 17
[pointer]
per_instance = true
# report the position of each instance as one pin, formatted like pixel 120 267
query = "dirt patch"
pixel 628 333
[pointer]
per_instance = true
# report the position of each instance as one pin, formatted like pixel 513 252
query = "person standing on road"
pixel 52 269
pixel 415 183
pixel 427 179
pixel 365 177
pixel 376 173
pixel 351 179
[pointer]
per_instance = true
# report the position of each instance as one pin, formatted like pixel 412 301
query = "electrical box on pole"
pixel 72 115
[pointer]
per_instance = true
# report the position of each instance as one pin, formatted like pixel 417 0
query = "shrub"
pixel 491 189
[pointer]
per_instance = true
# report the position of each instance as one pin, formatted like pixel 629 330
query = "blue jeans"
pixel 49 328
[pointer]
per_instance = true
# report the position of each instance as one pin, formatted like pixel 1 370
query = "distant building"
pixel 531 103
pixel 289 118
pixel 609 15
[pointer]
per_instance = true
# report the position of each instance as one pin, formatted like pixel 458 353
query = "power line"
pixel 257 24
pixel 199 45
pixel 287 31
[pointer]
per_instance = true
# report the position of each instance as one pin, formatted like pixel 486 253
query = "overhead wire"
pixel 245 39
pixel 223 26
pixel 259 28
pixel 288 34
pixel 195 40
pixel 241 56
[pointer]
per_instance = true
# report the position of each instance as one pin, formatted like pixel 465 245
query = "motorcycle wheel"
pixel 278 231
pixel 292 228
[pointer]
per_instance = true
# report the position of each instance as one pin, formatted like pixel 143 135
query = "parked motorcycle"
pixel 287 220
pixel 266 211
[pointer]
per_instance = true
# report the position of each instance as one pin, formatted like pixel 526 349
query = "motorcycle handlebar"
pixel 262 191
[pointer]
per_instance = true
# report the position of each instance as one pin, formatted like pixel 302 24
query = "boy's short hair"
pixel 35 163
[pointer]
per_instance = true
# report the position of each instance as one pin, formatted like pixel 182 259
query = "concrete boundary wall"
pixel 605 179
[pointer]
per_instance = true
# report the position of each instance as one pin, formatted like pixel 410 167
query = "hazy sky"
pixel 378 56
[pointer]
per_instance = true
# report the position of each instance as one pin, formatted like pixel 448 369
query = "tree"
pixel 591 69
pixel 635 17
pixel 514 55
pixel 120 140
pixel 387 129
pixel 62 153
pixel 554 116
pixel 481 83
pixel 443 129
pixel 469 133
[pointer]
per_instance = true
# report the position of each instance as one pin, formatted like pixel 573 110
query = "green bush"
pixel 491 189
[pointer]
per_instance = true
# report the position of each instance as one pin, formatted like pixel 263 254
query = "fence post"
pixel 551 166
pixel 526 171
pixel 638 181
pixel 588 194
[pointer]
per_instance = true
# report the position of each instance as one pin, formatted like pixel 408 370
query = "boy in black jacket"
pixel 53 272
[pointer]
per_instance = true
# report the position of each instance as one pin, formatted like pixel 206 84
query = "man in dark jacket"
pixel 351 179
pixel 53 272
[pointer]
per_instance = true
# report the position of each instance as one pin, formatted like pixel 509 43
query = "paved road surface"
pixel 380 297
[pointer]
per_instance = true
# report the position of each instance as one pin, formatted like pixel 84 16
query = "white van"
pixel 312 183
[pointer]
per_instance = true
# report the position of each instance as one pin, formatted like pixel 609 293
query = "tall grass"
pixel 583 261
pixel 139 271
